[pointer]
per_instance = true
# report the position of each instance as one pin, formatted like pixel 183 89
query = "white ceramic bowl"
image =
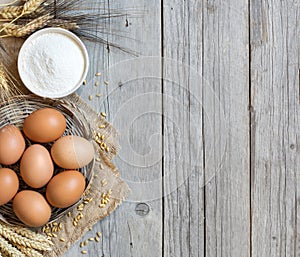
pixel 41 90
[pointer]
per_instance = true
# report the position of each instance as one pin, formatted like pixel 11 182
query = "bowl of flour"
pixel 53 63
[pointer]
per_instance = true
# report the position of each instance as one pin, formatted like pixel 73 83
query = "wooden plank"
pixel 131 103
pixel 226 65
pixel 182 110
pixel 275 37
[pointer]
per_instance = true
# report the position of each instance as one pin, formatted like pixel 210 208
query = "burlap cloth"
pixel 104 170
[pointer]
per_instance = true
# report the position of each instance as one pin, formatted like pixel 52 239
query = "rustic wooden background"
pixel 208 115
pixel 209 134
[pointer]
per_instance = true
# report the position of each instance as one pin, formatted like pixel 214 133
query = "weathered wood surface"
pixel 227 107
pixel 275 34
pixel 208 121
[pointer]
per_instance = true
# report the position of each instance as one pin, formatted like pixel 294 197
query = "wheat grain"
pixel 30 6
pixel 29 252
pixel 7 86
pixel 3 79
pixel 9 250
pixel 15 238
pixel 31 235
pixel 11 12
pixel 63 24
pixel 14 30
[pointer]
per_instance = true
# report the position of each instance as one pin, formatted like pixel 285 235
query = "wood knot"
pixel 142 209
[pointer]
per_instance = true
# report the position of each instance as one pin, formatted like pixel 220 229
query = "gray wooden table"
pixel 208 116
pixel 208 126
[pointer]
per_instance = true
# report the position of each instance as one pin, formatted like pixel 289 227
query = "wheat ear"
pixel 31 6
pixel 31 235
pixel 29 252
pixel 15 238
pixel 11 12
pixel 3 79
pixel 7 249
pixel 13 30
pixel 63 24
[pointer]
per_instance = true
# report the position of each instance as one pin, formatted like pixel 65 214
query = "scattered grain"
pixel 90 97
pixel 106 82
pixel 62 239
pixel 84 252
pixel 99 95
pixel 102 126
pixel 97 239
pixel 91 239
pixel 98 74
pixel 103 182
pixel 96 83
pixel 99 234
pixel 103 114
pixel 84 82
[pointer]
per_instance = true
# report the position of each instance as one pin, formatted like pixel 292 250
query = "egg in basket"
pixel 46 158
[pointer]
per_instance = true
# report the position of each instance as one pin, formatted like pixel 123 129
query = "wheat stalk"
pixel 15 238
pixel 7 4
pixel 29 252
pixel 7 249
pixel 13 30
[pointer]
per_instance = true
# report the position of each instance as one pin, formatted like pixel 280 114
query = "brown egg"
pixel 12 145
pixel 31 208
pixel 36 166
pixel 44 125
pixel 65 188
pixel 72 152
pixel 9 185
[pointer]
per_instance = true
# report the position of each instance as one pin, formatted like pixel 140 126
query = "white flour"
pixel 52 63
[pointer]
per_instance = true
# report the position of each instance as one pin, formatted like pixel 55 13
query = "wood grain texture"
pixel 130 103
pixel 226 65
pixel 183 140
pixel 275 37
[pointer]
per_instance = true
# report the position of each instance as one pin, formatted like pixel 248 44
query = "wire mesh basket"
pixel 13 112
